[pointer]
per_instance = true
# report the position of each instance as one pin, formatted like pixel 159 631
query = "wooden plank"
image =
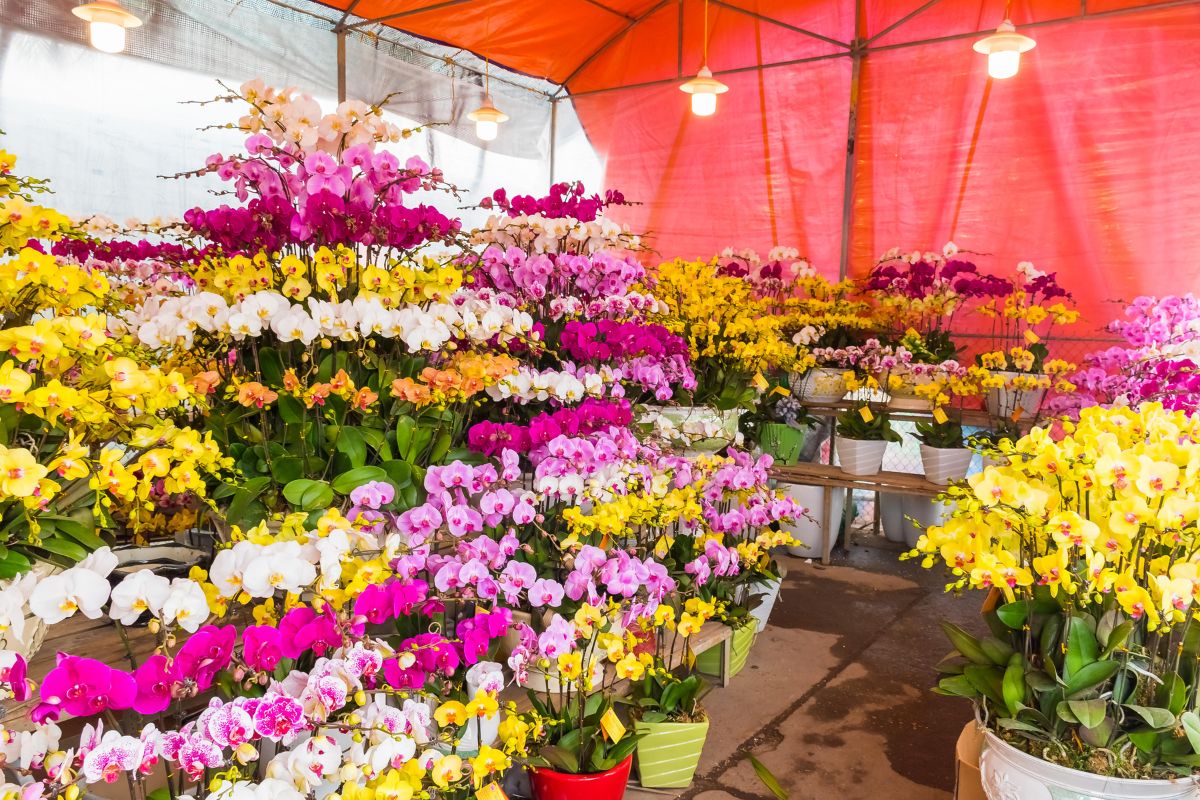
pixel 826 475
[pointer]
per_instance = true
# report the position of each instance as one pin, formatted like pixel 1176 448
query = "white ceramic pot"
pixel 698 429
pixel 34 634
pixel 905 398
pixel 487 729
pixel 920 513
pixel 1009 774
pixel 769 592
pixel 859 456
pixel 813 529
pixel 891 516
pixel 820 385
pixel 945 464
pixel 1005 402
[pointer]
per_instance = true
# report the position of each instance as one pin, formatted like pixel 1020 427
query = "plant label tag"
pixel 611 726
pixel 865 413
pixel 782 391
pixel 939 416
pixel 1018 412
pixel 491 791
pixel 1032 337
pixel 760 382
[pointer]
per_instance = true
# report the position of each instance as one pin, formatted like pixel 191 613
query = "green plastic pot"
pixel 669 752
pixel 782 442
pixel 709 662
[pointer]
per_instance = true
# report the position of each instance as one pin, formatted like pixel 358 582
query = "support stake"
pixel 553 136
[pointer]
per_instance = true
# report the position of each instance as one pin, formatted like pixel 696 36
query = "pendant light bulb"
pixel 487 119
pixel 107 21
pixel 1003 49
pixel 704 89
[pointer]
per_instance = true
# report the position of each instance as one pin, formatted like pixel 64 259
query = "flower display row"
pixel 435 544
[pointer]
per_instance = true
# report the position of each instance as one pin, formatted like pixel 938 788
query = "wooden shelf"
pixel 972 417
pixel 826 475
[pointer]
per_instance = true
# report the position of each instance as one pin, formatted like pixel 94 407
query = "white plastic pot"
pixel 945 464
pixel 813 529
pixel 1005 402
pixel 860 456
pixel 1009 774
pixel 820 385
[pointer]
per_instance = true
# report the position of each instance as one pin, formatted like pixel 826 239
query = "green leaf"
pixel 81 533
pixel 14 564
pixel 988 681
pixel 1008 723
pixel 1014 614
pixel 1090 676
pixel 61 547
pixel 957 686
pixel 1145 740
pixel 308 495
pixel 768 780
pixel 351 479
pixel 376 440
pixel 1116 638
pixel 1191 726
pixel 270 365
pixel 996 650
pixel 159 794
pixel 1014 684
pixel 291 410
pixel 243 497
pixel 399 472
pixel 404 431
pixel 965 643
pixel 1172 694
pixel 1089 712
pixel 1155 717
pixel 1082 647
pixel 351 443
pixel 287 469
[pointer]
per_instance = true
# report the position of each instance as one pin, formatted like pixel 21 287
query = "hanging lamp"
pixel 704 88
pixel 107 21
pixel 487 117
pixel 1003 49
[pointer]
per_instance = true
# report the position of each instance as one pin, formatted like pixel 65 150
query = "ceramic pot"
pixel 34 634
pixel 813 529
pixel 168 560
pixel 669 752
pixel 905 397
pixel 945 464
pixel 820 385
pixel 709 662
pixel 860 456
pixel 891 516
pixel 782 442
pixel 1009 774
pixel 769 592
pixel 551 785
pixel 920 513
pixel 1005 402
pixel 699 429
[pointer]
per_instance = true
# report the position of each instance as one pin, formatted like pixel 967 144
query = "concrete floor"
pixel 835 698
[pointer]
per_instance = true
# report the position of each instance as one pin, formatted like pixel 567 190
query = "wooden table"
pixel 833 477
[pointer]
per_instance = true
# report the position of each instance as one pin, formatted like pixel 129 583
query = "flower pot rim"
pixel 586 775
pixel 652 725
pixel 1096 781
pixel 935 447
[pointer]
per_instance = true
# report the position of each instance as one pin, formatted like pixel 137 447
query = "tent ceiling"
pixel 599 45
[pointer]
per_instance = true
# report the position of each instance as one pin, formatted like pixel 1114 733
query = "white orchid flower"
pixel 139 592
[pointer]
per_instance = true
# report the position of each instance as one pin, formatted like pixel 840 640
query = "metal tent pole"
pixel 857 51
pixel 553 136
pixel 341 65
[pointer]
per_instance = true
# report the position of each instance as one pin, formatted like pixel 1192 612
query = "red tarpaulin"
pixel 1087 162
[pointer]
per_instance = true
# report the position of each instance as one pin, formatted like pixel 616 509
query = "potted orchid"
pixel 1085 683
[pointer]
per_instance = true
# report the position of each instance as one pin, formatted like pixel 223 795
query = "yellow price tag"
pixel 939 416
pixel 611 726
pixel 1032 337
pixel 865 413
pixel 782 391
pixel 1017 414
pixel 491 791
pixel 760 382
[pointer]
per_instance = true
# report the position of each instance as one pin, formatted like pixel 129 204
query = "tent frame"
pixel 856 50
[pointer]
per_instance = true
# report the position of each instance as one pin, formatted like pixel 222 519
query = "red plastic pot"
pixel 551 785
